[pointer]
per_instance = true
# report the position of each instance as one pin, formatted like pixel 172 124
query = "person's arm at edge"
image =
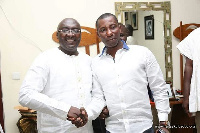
pixel 187 81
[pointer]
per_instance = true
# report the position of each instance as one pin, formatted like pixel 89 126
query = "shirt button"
pixel 82 96
pixel 79 79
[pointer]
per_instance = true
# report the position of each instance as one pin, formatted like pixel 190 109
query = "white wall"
pixel 156 45
pixel 27 26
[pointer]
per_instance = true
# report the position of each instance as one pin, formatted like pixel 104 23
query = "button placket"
pixel 81 94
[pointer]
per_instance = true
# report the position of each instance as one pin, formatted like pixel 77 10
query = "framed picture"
pixel 134 20
pixel 149 27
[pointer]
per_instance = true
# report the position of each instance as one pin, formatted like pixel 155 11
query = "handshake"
pixel 79 117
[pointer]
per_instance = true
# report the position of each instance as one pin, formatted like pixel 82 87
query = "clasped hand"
pixel 104 113
pixel 78 117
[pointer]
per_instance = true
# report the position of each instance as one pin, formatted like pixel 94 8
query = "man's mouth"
pixel 70 40
pixel 111 39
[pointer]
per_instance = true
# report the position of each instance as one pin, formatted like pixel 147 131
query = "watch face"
pixel 160 131
pixel 164 123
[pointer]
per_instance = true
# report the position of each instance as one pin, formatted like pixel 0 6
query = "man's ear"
pixel 119 26
pixel 57 35
pixel 97 33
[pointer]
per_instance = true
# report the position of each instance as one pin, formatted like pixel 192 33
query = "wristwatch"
pixel 160 131
pixel 165 124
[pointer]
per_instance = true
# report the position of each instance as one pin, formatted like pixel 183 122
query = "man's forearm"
pixel 187 78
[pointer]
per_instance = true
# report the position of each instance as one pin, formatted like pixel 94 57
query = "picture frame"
pixel 134 20
pixel 149 27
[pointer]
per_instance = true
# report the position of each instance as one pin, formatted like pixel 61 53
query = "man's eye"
pixel 65 30
pixel 113 26
pixel 121 35
pixel 102 30
pixel 76 30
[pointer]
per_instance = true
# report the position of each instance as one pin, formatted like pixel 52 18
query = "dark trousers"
pixel 99 125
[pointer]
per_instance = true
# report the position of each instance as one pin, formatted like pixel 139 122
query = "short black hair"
pixel 130 29
pixel 105 15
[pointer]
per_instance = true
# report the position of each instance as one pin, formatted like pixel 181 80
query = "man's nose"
pixel 70 33
pixel 109 32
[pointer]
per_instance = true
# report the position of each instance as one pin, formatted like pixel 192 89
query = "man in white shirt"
pixel 59 82
pixel 123 32
pixel 130 39
pixel 122 73
pixel 190 48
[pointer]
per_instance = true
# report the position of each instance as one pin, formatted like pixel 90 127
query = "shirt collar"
pixel 124 47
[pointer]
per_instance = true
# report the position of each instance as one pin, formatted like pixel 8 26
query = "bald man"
pixel 59 84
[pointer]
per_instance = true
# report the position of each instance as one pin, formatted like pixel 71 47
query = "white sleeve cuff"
pixel 163 116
